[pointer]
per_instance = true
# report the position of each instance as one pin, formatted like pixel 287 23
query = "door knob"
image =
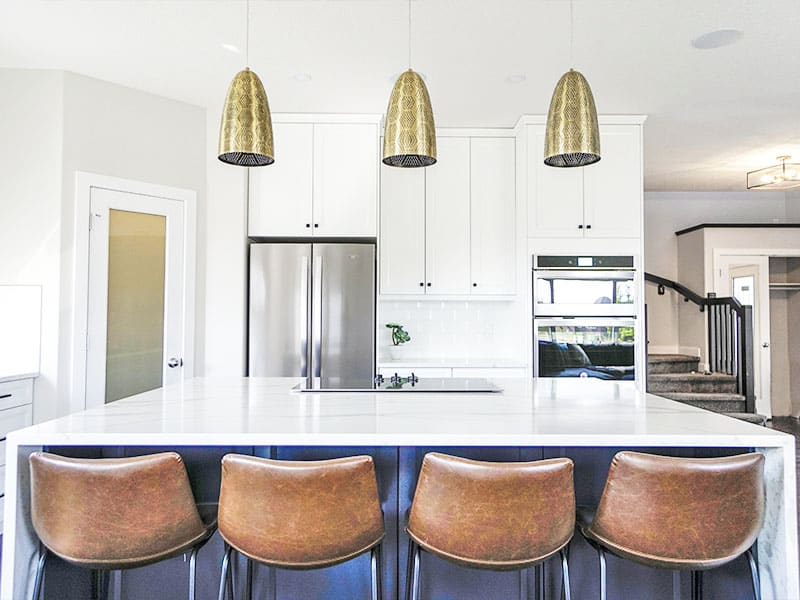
pixel 174 362
pixel 765 345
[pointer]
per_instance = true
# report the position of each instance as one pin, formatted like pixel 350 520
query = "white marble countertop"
pixel 456 363
pixel 16 376
pixel 264 411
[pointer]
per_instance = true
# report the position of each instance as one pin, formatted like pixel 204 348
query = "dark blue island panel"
pixel 397 469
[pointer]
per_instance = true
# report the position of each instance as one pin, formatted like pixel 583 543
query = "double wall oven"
pixel 584 317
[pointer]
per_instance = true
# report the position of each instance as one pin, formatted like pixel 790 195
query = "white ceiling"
pixel 713 114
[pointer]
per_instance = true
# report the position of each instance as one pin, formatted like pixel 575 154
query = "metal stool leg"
pixel 697 585
pixel 223 578
pixel 37 582
pixel 565 575
pixel 193 573
pixel 415 574
pixel 538 582
pixel 754 574
pixel 601 553
pixel 410 569
pixel 248 583
pixel 376 566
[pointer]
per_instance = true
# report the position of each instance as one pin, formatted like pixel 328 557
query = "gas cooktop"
pixel 395 383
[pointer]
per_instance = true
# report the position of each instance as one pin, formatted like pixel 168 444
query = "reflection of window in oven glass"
pixel 544 291
pixel 624 292
pixel 577 291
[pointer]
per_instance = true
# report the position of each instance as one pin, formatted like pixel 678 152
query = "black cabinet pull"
pixel 5 396
pixel 316 224
pixel 588 227
pixel 429 284
pixel 580 226
pixel 308 224
pixel 474 285
pixel 421 284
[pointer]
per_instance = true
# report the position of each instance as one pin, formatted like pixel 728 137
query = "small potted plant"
pixel 399 337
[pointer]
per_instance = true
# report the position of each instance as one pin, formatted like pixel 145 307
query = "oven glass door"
pixel 603 348
pixel 584 293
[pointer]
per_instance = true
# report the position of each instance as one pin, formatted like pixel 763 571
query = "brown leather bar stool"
pixel 678 513
pixel 299 514
pixel 491 515
pixel 106 514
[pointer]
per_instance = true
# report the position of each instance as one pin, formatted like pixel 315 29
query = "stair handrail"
pixel 730 341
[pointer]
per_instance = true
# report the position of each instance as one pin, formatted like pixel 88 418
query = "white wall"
pixel 225 249
pixel 668 212
pixel 30 200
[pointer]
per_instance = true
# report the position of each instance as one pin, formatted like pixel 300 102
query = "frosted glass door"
pixel 135 300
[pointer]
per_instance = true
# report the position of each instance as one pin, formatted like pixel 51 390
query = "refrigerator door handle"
pixel 303 310
pixel 316 323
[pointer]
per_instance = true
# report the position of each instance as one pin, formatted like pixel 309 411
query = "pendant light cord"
pixel 409 34
pixel 247 34
pixel 571 27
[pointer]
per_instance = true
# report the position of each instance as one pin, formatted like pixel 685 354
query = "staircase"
pixel 676 376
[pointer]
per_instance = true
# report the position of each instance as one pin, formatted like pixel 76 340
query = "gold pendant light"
pixel 409 135
pixel 572 136
pixel 245 133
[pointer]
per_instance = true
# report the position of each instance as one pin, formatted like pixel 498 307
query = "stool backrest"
pixel 493 515
pixel 112 511
pixel 692 509
pixel 300 514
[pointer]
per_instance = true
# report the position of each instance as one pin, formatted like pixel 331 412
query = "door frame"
pixel 84 182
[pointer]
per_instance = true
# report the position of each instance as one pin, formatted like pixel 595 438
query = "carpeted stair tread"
pixel 711 396
pixel 657 358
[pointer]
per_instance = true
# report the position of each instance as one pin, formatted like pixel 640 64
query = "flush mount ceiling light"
pixel 409 135
pixel 572 136
pixel 245 133
pixel 783 176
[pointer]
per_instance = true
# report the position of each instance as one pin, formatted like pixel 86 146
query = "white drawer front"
pixel 418 371
pixel 16 393
pixel 490 372
pixel 15 418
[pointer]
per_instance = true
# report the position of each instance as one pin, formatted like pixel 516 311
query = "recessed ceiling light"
pixel 516 78
pixel 717 39
pixel 302 77
pixel 231 48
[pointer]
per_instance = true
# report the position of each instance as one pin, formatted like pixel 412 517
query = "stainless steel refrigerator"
pixel 312 313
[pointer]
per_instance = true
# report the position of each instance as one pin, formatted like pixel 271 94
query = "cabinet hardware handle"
pixel 429 284
pixel 6 396
pixel 316 224
pixel 474 285
pixel 421 284
pixel 580 226
pixel 588 227
pixel 308 224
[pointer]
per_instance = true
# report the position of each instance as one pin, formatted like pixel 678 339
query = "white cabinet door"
pixel 447 219
pixel 613 186
pixel 402 238
pixel 280 194
pixel 346 179
pixel 492 208
pixel 555 195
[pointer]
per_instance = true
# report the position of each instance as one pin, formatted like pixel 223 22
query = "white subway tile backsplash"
pixel 456 329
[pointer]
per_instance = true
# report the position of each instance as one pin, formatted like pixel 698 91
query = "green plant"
pixel 399 335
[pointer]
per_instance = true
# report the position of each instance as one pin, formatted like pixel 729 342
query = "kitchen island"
pixel 587 420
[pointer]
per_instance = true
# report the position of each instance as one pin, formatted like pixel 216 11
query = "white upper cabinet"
pixel 280 194
pixel 324 182
pixel 492 216
pixel 450 229
pixel 612 188
pixel 603 200
pixel 402 234
pixel 447 219
pixel 555 206
pixel 345 179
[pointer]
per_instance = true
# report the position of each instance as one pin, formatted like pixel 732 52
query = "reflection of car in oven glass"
pixel 601 361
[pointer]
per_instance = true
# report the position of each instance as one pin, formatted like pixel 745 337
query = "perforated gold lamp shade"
pixel 409 135
pixel 572 136
pixel 245 133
